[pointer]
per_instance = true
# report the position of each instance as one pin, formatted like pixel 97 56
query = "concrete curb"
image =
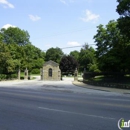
pixel 81 84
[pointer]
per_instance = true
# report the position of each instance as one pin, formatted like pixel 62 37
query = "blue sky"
pixel 58 23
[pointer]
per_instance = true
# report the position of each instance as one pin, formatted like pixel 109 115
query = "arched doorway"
pixel 50 72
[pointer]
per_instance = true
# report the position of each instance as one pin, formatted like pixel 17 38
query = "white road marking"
pixel 81 114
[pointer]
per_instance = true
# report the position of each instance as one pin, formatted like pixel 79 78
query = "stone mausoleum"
pixel 51 71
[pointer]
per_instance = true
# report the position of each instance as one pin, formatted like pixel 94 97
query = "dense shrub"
pixel 2 77
pixel 22 77
pixel 35 71
pixel 13 76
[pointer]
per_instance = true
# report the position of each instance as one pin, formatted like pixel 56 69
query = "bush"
pixel 35 71
pixel 8 76
pixel 93 68
pixel 13 76
pixel 21 77
pixel 2 77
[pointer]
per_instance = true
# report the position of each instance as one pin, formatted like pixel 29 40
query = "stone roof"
pixel 50 62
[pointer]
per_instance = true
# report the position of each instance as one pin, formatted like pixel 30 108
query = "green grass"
pixel 112 79
pixel 22 74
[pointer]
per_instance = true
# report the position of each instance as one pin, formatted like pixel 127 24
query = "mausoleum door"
pixel 50 72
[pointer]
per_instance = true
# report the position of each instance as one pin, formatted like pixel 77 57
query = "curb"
pixel 81 84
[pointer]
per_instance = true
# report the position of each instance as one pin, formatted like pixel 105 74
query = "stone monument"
pixel 76 75
pixel 26 74
pixel 50 71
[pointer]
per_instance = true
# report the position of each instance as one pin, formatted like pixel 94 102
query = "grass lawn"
pixel 22 74
pixel 111 79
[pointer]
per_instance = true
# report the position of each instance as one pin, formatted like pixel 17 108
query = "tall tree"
pixel 14 35
pixel 68 64
pixel 32 57
pixel 112 48
pixel 54 54
pixel 123 8
pixel 16 52
pixel 86 58
pixel 7 64
pixel 75 54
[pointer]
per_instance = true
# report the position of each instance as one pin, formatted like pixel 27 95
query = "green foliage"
pixel 123 8
pixel 124 25
pixel 87 58
pixel 38 63
pixel 75 54
pixel 13 76
pixel 68 64
pixel 21 77
pixel 54 54
pixel 2 77
pixel 6 61
pixel 112 48
pixel 35 71
pixel 33 57
pixel 93 67
pixel 16 52
pixel 7 76
pixel 15 36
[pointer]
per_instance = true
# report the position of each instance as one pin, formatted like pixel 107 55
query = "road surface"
pixel 37 105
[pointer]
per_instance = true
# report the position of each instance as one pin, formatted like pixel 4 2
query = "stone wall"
pixel 56 73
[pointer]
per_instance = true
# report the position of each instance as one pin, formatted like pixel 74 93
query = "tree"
pixel 54 54
pixel 123 8
pixel 75 54
pixel 16 52
pixel 112 48
pixel 33 58
pixel 87 58
pixel 68 64
pixel 26 56
pixel 7 64
pixel 15 35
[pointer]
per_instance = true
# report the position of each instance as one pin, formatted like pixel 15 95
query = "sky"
pixel 58 23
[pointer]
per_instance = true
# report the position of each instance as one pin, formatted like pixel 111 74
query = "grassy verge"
pixel 32 76
pixel 113 82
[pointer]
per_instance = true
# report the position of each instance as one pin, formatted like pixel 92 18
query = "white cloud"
pixel 73 44
pixel 89 16
pixel 34 18
pixel 8 25
pixel 6 4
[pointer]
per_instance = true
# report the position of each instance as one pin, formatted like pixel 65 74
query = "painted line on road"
pixel 81 114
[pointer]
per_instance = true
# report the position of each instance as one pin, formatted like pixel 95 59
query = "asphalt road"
pixel 31 109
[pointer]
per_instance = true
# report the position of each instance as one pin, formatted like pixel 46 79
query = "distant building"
pixel 50 71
